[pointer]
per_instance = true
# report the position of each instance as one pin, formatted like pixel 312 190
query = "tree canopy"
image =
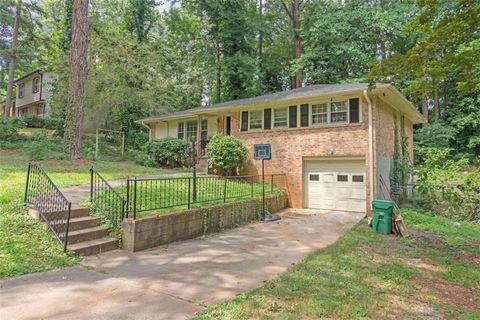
pixel 147 57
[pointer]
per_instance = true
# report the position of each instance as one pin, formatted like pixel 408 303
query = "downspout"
pixel 370 142
pixel 149 130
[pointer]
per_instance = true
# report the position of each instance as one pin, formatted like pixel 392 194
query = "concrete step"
pixel 87 248
pixel 79 212
pixel 86 234
pixel 74 213
pixel 83 223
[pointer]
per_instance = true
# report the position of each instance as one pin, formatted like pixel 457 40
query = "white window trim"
pixel 288 118
pixel 348 112
pixel 329 113
pixel 261 119
pixel 299 114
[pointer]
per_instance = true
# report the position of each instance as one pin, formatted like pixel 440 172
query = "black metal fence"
pixel 106 199
pixel 54 208
pixel 147 194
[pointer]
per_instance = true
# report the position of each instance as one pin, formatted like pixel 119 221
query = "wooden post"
pixel 123 143
pixel 96 145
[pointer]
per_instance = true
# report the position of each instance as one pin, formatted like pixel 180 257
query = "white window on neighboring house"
pixel 21 90
pixel 181 130
pixel 256 120
pixel 319 113
pixel 35 84
pixel 191 130
pixel 339 112
pixel 280 117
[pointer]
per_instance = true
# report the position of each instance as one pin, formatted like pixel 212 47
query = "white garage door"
pixel 336 185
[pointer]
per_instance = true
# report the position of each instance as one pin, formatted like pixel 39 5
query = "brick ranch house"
pixel 325 138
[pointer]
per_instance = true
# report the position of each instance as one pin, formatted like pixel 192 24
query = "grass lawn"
pixel 24 245
pixel 171 195
pixel 433 274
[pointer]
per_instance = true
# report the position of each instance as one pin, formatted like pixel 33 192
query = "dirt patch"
pixel 419 263
pixel 430 239
pixel 470 258
pixel 451 294
pixel 401 308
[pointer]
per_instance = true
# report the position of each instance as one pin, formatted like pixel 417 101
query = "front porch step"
pixel 83 223
pixel 86 234
pixel 74 213
pixel 90 247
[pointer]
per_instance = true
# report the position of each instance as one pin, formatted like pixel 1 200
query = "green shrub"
pixel 9 136
pixel 42 147
pixel 448 187
pixel 143 159
pixel 226 153
pixel 168 151
pixel 44 121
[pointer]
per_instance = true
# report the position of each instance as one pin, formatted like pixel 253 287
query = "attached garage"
pixel 335 184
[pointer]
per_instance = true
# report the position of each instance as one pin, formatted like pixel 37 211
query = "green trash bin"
pixel 382 216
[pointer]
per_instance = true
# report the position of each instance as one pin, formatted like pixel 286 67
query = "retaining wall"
pixel 149 232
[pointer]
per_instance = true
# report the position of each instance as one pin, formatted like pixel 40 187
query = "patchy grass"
pixel 25 246
pixel 433 274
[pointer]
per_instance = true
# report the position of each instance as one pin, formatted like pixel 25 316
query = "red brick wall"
pixel 290 146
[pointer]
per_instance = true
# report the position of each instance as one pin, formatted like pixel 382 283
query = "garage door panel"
pixel 336 185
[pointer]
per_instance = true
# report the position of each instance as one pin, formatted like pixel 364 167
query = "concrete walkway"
pixel 174 281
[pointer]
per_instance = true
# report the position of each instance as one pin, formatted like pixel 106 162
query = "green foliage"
pixel 340 43
pixel 447 188
pixel 226 153
pixel 9 130
pixel 42 147
pixel 436 135
pixel 35 121
pixel 168 151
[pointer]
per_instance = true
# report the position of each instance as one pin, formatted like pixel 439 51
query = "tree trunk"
pixel 293 10
pixel 436 100
pixel 260 33
pixel 425 109
pixel 13 61
pixel 297 41
pixel 218 75
pixel 78 79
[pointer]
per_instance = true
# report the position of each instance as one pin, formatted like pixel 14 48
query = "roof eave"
pixel 401 103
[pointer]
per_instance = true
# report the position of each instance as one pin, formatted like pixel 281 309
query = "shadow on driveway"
pixel 176 280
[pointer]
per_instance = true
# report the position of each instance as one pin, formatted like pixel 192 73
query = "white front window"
pixel 320 113
pixel 339 112
pixel 255 121
pixel 280 117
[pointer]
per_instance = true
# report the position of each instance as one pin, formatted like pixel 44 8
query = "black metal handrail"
pixel 106 199
pixel 147 194
pixel 42 194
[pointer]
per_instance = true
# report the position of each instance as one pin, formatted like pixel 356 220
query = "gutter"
pixel 370 142
pixel 149 130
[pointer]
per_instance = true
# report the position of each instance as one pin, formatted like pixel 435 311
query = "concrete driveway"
pixel 173 281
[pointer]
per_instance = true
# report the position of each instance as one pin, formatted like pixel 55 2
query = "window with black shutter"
pixel 304 115
pixel 354 110
pixel 292 116
pixel 267 119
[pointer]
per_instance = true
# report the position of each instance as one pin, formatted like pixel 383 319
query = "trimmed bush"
pixel 226 153
pixel 171 152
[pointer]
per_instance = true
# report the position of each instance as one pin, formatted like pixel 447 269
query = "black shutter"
pixel 244 126
pixel 292 113
pixel 304 115
pixel 354 110
pixel 267 119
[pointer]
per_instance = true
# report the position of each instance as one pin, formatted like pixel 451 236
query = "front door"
pixel 228 125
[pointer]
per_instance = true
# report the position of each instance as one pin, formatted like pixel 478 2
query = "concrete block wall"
pixel 150 232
